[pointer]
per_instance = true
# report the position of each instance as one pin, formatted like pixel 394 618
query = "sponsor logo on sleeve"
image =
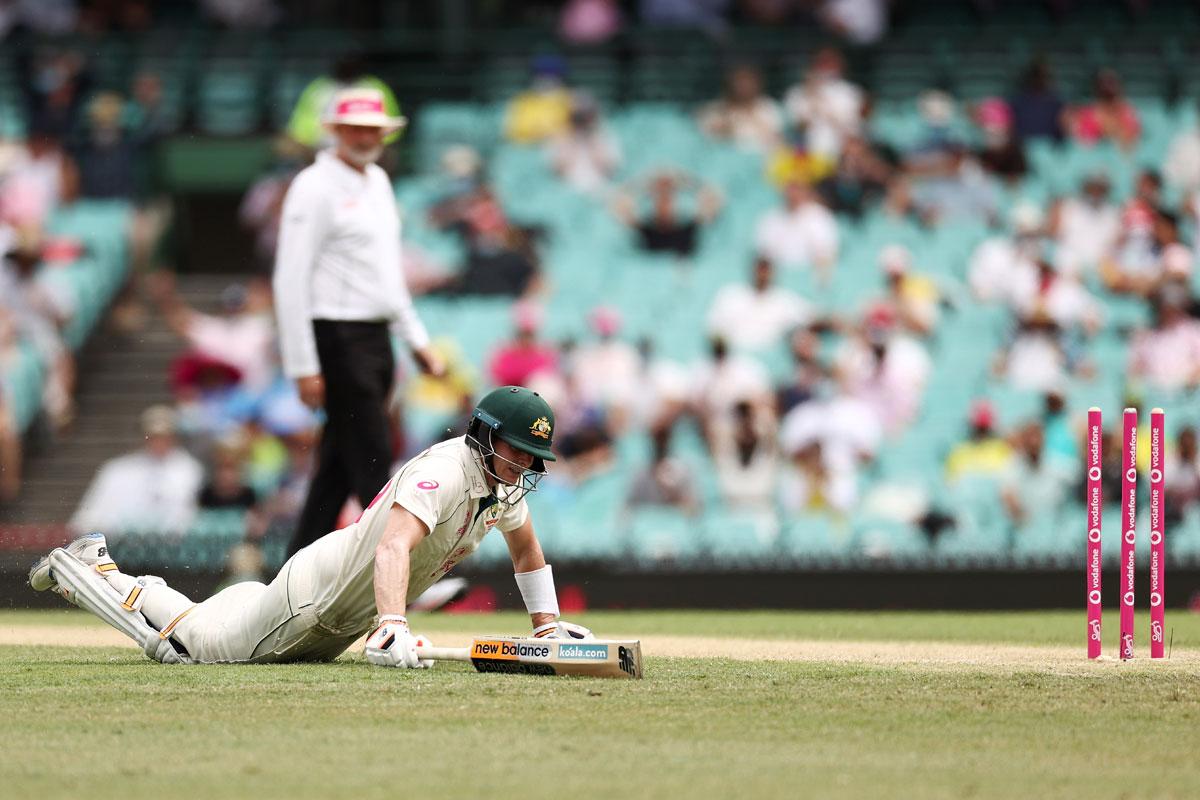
pixel 583 652
pixel 427 486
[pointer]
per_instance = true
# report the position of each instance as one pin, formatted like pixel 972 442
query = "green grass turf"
pixel 104 722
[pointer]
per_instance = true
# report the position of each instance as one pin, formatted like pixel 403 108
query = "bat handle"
pixel 444 653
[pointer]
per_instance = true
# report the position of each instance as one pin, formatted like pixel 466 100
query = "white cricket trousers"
pixel 247 622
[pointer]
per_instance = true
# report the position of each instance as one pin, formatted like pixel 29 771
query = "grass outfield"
pixel 104 722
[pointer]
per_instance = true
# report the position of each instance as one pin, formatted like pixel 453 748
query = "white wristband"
pixel 392 618
pixel 537 590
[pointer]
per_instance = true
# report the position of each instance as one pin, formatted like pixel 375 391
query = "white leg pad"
pixel 81 585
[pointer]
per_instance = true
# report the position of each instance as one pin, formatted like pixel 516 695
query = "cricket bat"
pixel 597 658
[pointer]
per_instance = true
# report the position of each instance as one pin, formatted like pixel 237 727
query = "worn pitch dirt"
pixel 927 655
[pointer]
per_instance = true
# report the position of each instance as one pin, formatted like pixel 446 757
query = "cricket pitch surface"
pixel 734 704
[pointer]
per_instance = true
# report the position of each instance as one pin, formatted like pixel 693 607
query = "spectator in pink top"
pixel 1167 356
pixel 1110 116
pixel 516 362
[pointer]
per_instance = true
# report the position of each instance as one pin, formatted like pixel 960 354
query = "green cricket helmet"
pixel 521 418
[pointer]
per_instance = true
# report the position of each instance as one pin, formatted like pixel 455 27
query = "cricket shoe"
pixel 91 549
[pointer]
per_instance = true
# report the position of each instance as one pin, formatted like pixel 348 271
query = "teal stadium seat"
pixel 228 98
pixel 889 540
pixel 817 540
pixel 23 385
pixel 742 538
pixel 982 530
pixel 660 535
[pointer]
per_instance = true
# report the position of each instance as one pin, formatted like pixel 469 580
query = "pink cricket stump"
pixel 1128 528
pixel 1095 514
pixel 1158 569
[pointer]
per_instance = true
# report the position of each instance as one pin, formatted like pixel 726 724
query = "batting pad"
pixel 82 586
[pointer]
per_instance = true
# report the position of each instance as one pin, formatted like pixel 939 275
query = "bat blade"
pixel 598 658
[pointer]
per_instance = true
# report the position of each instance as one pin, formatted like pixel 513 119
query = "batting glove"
pixel 561 630
pixel 392 644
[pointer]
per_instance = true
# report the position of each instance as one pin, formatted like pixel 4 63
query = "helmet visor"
pixel 508 493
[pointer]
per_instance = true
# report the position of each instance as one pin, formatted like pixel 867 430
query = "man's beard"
pixel 361 157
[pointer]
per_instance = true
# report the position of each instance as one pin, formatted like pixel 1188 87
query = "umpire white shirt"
pixel 339 259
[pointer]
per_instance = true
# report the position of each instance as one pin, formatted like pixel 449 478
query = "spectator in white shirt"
pixel 886 368
pixel 1061 299
pixel 1085 227
pixel 1177 261
pixel 152 490
pixel 803 233
pixel 746 457
pixel 726 380
pixel 826 105
pixel 41 310
pixel 759 316
pixel 666 389
pixel 1135 259
pixel 586 155
pixel 1167 356
pixel 42 177
pixel 1182 166
pixel 1036 359
pixel 825 441
pixel 848 427
pixel 744 116
pixel 1000 261
pixel 338 286
pixel 816 482
pixel 608 370
pixel 243 336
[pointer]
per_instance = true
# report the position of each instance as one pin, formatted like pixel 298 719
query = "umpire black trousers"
pixel 355 453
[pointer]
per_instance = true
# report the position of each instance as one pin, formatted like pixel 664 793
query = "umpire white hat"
pixel 362 106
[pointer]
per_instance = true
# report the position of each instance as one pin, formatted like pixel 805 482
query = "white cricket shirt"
pixel 444 487
pixel 338 259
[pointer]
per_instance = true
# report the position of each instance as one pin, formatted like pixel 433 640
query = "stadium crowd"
pixel 810 439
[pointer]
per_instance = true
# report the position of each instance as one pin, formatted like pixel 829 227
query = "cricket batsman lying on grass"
pixel 432 514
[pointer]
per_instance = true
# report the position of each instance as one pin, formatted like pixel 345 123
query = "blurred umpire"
pixel 338 290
